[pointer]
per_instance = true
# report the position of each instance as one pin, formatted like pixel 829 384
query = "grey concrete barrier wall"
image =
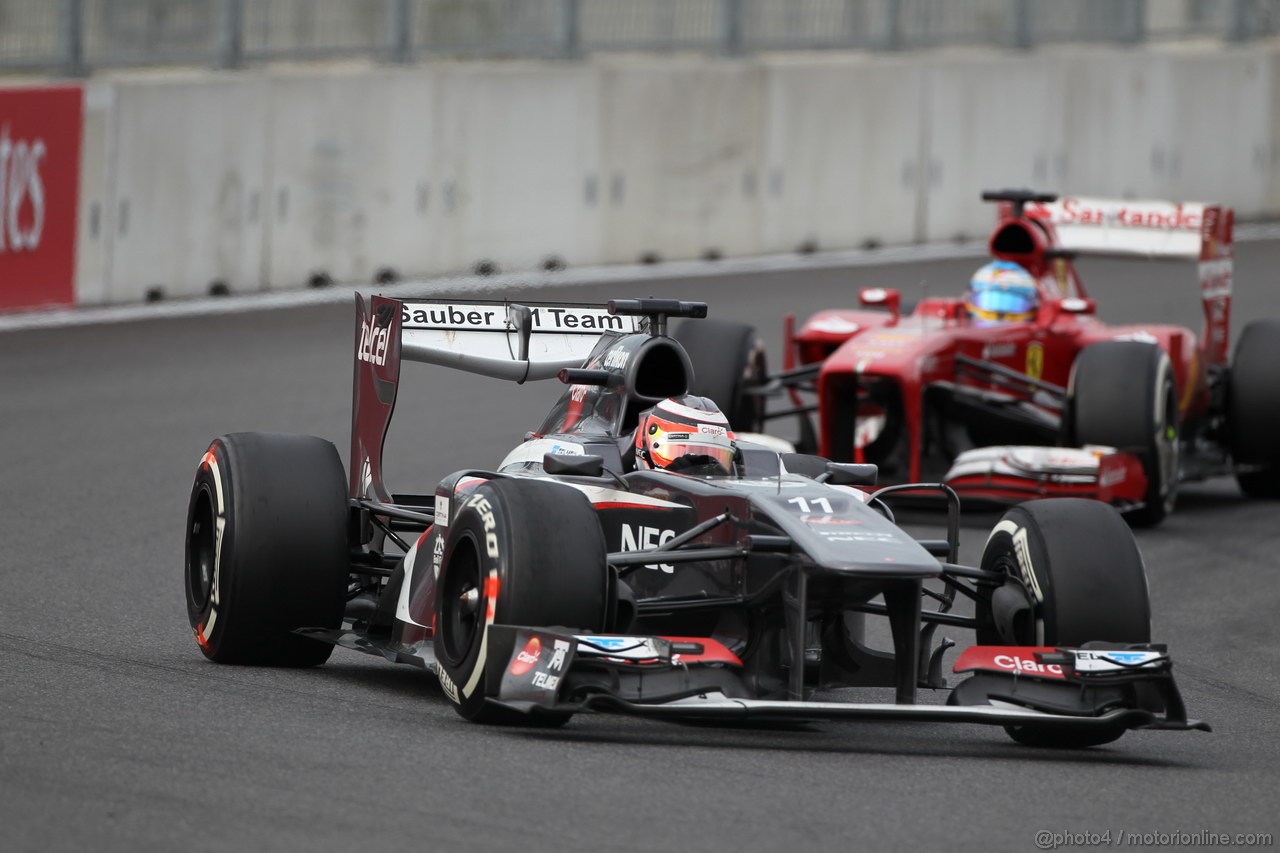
pixel 265 179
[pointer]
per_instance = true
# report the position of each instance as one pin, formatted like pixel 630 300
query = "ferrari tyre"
pixel 1122 394
pixel 1253 413
pixel 518 552
pixel 728 360
pixel 1085 581
pixel 266 548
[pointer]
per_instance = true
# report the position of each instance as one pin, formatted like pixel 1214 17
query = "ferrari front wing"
pixel 1008 474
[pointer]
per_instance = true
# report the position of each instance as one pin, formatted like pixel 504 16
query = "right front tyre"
pixel 266 548
pixel 1082 569
pixel 1085 581
pixel 1122 394
pixel 1253 413
pixel 519 552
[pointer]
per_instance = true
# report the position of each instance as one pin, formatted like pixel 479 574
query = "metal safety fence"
pixel 76 36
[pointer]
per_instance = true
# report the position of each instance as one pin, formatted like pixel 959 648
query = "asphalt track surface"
pixel 116 734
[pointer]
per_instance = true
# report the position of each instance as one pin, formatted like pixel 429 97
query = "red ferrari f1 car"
pixel 632 556
pixel 1017 390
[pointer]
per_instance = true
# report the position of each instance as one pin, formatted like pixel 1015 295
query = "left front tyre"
pixel 519 552
pixel 266 548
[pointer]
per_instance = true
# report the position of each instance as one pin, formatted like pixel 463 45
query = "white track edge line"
pixel 59 318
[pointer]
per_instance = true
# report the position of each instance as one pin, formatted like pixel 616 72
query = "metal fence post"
pixel 572 29
pixel 1137 29
pixel 1241 21
pixel 1022 24
pixel 891 38
pixel 231 34
pixel 731 11
pixel 400 30
pixel 73 38
pixel 855 23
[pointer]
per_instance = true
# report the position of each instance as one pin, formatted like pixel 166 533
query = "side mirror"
pixel 577 466
pixel 583 376
pixel 1078 305
pixel 887 296
pixel 851 474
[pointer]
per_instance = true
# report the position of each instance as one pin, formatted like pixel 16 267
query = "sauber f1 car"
pixel 1055 404
pixel 569 579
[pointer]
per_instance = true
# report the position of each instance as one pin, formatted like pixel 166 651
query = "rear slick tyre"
pixel 266 548
pixel 1082 568
pixel 519 552
pixel 1253 414
pixel 728 361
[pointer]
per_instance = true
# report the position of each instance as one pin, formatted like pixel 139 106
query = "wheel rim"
pixel 202 550
pixel 461 616
pixel 1166 444
pixel 1030 632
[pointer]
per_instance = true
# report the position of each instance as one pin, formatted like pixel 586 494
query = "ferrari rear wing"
pixel 1151 229
pixel 504 340
pixel 1192 231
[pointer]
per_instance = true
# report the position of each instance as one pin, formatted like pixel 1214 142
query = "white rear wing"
pixel 531 340
pixel 1192 231
pixel 499 339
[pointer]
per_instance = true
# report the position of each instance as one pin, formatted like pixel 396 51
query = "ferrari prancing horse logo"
pixel 1035 359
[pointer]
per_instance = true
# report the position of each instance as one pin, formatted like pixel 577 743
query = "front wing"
pixel 718 707
pixel 697 678
pixel 1008 474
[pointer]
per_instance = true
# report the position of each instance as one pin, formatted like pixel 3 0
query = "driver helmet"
pixel 1002 292
pixel 685 434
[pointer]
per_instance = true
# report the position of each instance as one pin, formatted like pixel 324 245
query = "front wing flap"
pixel 1014 473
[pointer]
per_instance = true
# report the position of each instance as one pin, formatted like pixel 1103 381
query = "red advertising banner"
pixel 40 132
